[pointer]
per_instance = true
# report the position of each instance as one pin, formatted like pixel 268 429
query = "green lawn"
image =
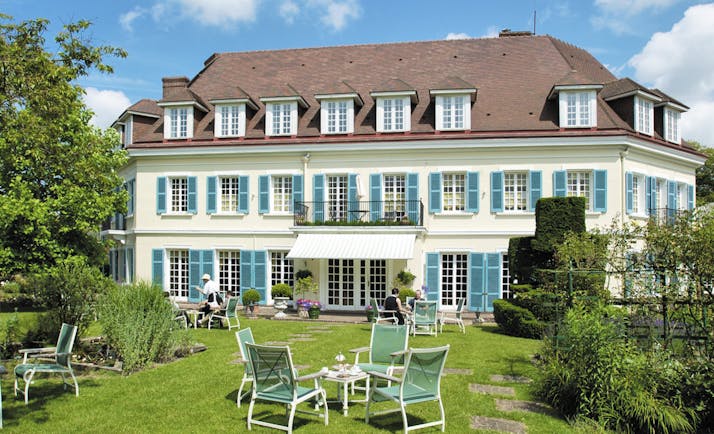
pixel 197 393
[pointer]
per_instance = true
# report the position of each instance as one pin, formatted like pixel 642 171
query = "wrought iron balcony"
pixel 360 213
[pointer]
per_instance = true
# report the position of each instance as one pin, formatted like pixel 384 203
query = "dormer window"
pixel 453 112
pixel 394 106
pixel 337 116
pixel 672 132
pixel 126 131
pixel 644 115
pixel 577 109
pixel 281 119
pixel 178 122
pixel 230 120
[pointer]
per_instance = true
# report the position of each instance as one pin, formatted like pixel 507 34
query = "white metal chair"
pixel 423 319
pixel 229 313
pixel 447 318
pixel 243 337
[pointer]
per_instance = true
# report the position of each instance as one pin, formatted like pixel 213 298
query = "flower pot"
pixel 370 316
pixel 313 313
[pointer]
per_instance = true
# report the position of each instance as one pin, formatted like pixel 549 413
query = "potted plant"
pixel 313 311
pixel 250 299
pixel 303 286
pixel 371 314
pixel 281 294
pixel 405 277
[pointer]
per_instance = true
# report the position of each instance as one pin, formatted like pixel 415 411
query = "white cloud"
pixel 289 10
pixel 221 13
pixel 452 36
pixel 680 62
pixel 616 15
pixel 107 105
pixel 126 20
pixel 336 13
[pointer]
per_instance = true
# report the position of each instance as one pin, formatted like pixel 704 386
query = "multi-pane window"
pixel 638 188
pixel 179 194
pixel 454 197
pixel 515 191
pixel 282 194
pixel 229 189
pixel 454 278
pixel 395 194
pixel 337 112
pixel 337 197
pixel 579 185
pixel 340 282
pixel 671 130
pixel 229 272
pixel 126 132
pixel 282 121
pixel 373 281
pixel 178 273
pixel 505 278
pixel 661 193
pixel 230 120
pixel 281 268
pixel 577 109
pixel 681 196
pixel 178 122
pixel 393 114
pixel 452 112
pixel 643 118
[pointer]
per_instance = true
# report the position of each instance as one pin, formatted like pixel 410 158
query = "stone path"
pixel 510 379
pixel 492 390
pixel 529 406
pixel 458 371
pixel 495 424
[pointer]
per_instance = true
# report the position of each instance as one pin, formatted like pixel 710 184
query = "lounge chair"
pixel 243 337
pixel 230 312
pixel 453 317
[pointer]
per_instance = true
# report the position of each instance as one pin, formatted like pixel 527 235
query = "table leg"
pixel 344 399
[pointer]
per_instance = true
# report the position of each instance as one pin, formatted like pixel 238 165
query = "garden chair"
pixel 179 315
pixel 447 318
pixel 230 312
pixel 423 319
pixel 381 314
pixel 60 361
pixel 243 337
pixel 387 345
pixel 275 380
pixel 421 382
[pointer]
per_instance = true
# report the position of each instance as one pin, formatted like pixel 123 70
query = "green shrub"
pixel 404 293
pixel 591 370
pixel 545 306
pixel 138 323
pixel 520 288
pixel 517 321
pixel 556 216
pixel 282 290
pixel 301 274
pixel 69 291
pixel 251 296
pixel 405 277
pixel 10 337
pixel 586 284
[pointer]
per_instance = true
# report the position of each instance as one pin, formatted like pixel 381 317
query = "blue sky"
pixel 659 43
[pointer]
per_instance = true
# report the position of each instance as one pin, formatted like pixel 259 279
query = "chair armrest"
pixel 46 351
pixel 359 350
pixel 398 353
pixel 385 376
pixel 321 373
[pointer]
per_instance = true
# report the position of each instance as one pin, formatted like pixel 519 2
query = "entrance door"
pixel 340 282
pixel 351 283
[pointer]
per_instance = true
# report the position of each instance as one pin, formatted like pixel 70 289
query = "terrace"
pixel 360 213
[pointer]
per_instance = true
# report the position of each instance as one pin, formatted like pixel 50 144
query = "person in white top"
pixel 210 290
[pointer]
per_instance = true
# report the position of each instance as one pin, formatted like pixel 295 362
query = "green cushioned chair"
pixel 229 313
pixel 243 337
pixel 386 349
pixel 423 320
pixel 421 382
pixel 58 361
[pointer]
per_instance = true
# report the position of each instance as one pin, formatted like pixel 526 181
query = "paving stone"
pixel 529 406
pixel 510 379
pixel 321 331
pixel 492 390
pixel 301 335
pixel 314 328
pixel 302 339
pixel 278 343
pixel 458 371
pixel 299 367
pixel 495 424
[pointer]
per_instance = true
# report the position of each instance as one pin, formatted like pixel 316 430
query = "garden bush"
pixel 517 321
pixel 591 370
pixel 403 294
pixel 138 323
pixel 545 306
pixel 69 291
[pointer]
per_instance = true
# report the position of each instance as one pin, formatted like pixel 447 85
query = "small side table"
pixel 194 315
pixel 343 379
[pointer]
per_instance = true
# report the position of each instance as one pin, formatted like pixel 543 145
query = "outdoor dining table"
pixel 345 378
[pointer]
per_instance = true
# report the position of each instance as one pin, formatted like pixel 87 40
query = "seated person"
pixel 393 303
pixel 417 296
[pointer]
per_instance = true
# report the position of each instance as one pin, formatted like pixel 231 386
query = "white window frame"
pixel 447 109
pixel 228 272
pixel 639 207
pixel 644 115
pixel 127 131
pixel 518 194
pixel 672 126
pixel 173 131
pixel 581 104
pixel 231 199
pixel 171 192
pixel 287 203
pixel 177 273
pixel 235 126
pixel 453 207
pixel 282 268
pixel 335 119
pixel 394 195
pixel 393 118
pixel 579 176
pixel 456 285
pixel 682 194
pixel 661 193
pixel 288 112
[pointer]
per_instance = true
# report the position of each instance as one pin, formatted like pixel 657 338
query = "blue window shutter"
pixel 263 194
pixel 650 195
pixel 472 196
pixel 192 202
pixel 413 208
pixel 318 197
pixel 194 275
pixel 352 203
pixel 243 194
pixel 129 258
pixel 207 264
pixel 246 270
pixel 629 195
pixel 476 282
pixel 671 200
pixel 161 195
pixel 431 275
pixel 690 197
pixel 435 192
pixel 298 189
pixel 560 189
pixel 600 202
pixel 496 191
pixel 211 185
pixel 157 267
pixel 536 186
pixel 375 197
pixel 260 273
pixel 493 280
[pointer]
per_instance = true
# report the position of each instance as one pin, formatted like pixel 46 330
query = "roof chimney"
pixel 172 83
pixel 506 33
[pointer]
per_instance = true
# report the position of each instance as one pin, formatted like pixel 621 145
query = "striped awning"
pixel 353 246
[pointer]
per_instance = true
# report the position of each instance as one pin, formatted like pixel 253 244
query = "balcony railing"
pixel 360 213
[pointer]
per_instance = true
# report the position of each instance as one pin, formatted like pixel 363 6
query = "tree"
pixel 705 179
pixel 58 175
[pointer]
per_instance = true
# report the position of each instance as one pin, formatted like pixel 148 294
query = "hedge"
pixel 517 321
